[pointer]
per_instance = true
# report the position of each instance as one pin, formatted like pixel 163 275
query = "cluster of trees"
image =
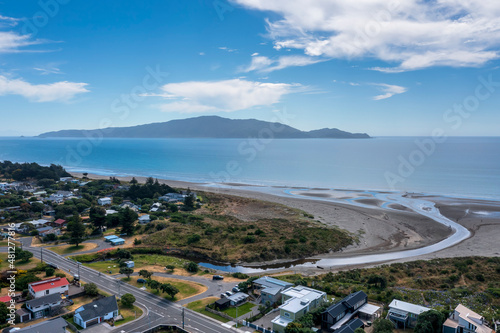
pixel 151 189
pixel 307 321
pixel 167 288
pixel 125 218
pixel 25 171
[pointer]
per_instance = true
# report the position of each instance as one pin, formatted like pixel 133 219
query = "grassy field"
pixel 128 314
pixel 4 264
pixel 234 229
pixel 104 266
pixel 67 249
pixel 186 288
pixel 199 306
pixel 150 262
pixel 242 309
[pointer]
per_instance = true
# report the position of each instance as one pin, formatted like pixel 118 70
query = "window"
pixel 46 292
pixel 287 314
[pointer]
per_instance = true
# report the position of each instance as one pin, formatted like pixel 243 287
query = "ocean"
pixel 457 166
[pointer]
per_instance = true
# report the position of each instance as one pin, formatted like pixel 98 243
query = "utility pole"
pixel 182 318
pixel 236 317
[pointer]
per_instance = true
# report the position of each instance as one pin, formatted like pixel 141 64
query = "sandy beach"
pixel 380 230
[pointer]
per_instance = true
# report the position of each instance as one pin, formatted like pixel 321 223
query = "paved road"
pixel 215 288
pixel 159 310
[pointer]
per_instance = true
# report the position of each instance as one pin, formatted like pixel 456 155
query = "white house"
pixel 297 301
pixel 104 201
pixel 404 314
pixel 464 320
pixel 48 287
pixel 96 312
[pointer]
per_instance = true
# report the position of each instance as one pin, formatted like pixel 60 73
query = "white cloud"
pixel 408 35
pixel 12 42
pixel 202 53
pixel 8 21
pixel 225 48
pixel 388 90
pixel 223 96
pixel 48 69
pixel 264 64
pixel 58 91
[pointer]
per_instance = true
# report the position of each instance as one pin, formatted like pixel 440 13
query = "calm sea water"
pixel 463 166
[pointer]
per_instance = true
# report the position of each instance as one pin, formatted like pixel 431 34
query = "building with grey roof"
pixel 269 288
pixel 57 325
pixel 96 312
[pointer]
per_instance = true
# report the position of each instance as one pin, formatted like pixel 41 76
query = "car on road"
pixel 217 277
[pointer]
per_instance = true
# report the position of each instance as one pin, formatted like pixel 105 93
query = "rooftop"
pixel 49 284
pixel 272 282
pixel 50 326
pixel 408 307
pixel 54 298
pixel 98 308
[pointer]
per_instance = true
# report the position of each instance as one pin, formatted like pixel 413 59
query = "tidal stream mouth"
pixel 390 201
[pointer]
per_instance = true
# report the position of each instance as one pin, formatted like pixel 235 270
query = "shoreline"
pixel 384 231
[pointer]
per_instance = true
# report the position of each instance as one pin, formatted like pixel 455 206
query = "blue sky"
pixel 385 68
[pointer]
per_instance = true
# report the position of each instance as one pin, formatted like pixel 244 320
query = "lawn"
pixel 104 267
pixel 186 288
pixel 128 314
pixel 199 306
pixel 242 309
pixel 67 249
pixel 4 264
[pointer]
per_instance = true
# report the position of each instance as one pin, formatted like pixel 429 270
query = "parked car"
pixel 228 293
pixel 235 289
pixel 222 295
pixel 141 281
pixel 217 277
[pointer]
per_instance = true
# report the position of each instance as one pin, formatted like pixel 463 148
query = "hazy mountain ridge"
pixel 208 127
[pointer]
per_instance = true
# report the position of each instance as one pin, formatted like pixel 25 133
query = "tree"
pixel 189 202
pixel 23 255
pixel 169 289
pixel 359 330
pixel 145 273
pixel 127 219
pixel 3 312
pixel 127 271
pixel 76 230
pixel 430 322
pixel 153 284
pixel 97 216
pixel 128 300
pixel 191 267
pixel 49 271
pixel 91 289
pixel 382 325
pixel 295 327
pixel 22 282
pixel 133 181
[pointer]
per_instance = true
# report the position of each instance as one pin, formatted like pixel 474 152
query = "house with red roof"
pixel 5 299
pixel 59 223
pixel 48 287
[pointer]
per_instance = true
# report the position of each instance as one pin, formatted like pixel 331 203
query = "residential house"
pixel 96 312
pixel 44 306
pixel 131 206
pixel 104 201
pixel 57 325
pixel 173 197
pixel 351 326
pixel 464 320
pixel 297 301
pixel 144 219
pixel 130 264
pixel 110 212
pixel 222 303
pixel 59 223
pixel 269 288
pixel 48 230
pixel 237 299
pixel 5 300
pixel 155 207
pixel 343 312
pixel 404 314
pixel 48 286
pixel 117 241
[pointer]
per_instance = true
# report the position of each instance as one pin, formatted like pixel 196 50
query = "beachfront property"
pixel 144 219
pixel 343 312
pixel 48 287
pixel 464 320
pixel 269 289
pixel 104 201
pixel 297 301
pixel 44 306
pixel 404 314
pixel 96 312
pixel 237 299
pixel 57 325
pixel 173 197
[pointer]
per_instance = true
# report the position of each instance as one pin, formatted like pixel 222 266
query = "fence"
pixel 222 314
pixel 258 328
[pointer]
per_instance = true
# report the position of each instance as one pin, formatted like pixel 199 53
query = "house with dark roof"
pixel 343 312
pixel 351 326
pixel 269 288
pixel 57 325
pixel 44 306
pixel 96 312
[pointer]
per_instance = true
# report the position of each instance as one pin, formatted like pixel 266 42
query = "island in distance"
pixel 209 127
